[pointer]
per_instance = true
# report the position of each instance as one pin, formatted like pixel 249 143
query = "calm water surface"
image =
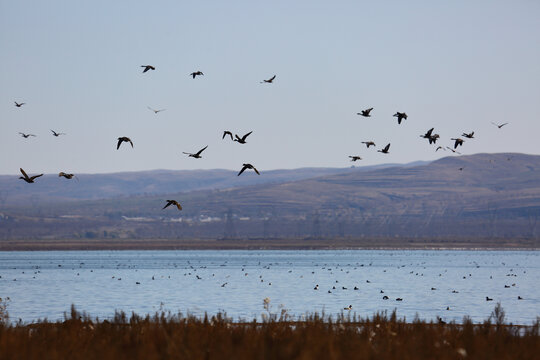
pixel 45 284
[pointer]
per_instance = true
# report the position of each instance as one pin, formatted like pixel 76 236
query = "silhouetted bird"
pixel 368 143
pixel 123 139
pixel 433 138
pixel 488 298
pixel 147 67
pixel 18 104
pixel 468 136
pixel 355 158
pixel 242 140
pixel 28 179
pixel 26 135
pixel 197 155
pixel 67 176
pixel 458 142
pixel 248 166
pixel 439 148
pixel 365 113
pixel 499 126
pixel 57 134
pixel 156 111
pixel 452 150
pixel 269 81
pixel 196 73
pixel 400 116
pixel 173 202
pixel 427 135
pixel 225 133
pixel 385 150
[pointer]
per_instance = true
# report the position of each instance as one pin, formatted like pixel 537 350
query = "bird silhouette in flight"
pixel 385 150
pixel 196 73
pixel 156 111
pixel 28 179
pixel 452 150
pixel 439 148
pixel 225 133
pixel 468 136
pixel 147 67
pixel 269 81
pixel 67 176
pixel 173 202
pixel 26 135
pixel 365 113
pixel 428 133
pixel 19 104
pixel 248 166
pixel 197 155
pixel 400 116
pixel 57 134
pixel 241 140
pixel 123 139
pixel 355 158
pixel 368 143
pixel 458 142
pixel 499 126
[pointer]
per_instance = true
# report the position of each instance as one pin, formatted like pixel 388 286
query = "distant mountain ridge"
pixel 102 186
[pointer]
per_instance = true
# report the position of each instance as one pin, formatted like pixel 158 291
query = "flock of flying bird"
pixel 122 139
pixel 429 135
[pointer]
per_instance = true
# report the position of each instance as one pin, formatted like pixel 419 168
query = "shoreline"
pixel 267 244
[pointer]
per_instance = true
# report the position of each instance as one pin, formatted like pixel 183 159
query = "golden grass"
pixel 166 336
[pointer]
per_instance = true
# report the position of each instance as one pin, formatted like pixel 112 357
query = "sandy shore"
pixel 264 244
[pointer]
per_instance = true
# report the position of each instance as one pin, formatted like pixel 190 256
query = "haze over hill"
pixel 482 195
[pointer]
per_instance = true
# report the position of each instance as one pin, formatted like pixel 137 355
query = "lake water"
pixel 45 284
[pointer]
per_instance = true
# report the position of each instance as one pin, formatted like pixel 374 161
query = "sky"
pixel 456 66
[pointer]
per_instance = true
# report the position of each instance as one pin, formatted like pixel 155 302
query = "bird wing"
pixel 145 69
pixel 245 136
pixel 429 132
pixel 24 173
pixel 178 205
pixel 387 147
pixel 35 176
pixel 119 142
pixel 54 133
pixel 200 151
pixel 131 142
pixel 169 202
pixel 253 167
pixel 183 152
pixel 503 125
pixel 272 78
pixel 241 171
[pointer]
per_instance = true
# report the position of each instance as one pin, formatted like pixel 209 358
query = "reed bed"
pixel 167 336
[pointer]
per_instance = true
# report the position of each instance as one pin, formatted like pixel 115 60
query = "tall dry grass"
pixel 166 336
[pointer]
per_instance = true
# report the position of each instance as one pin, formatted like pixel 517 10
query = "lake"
pixel 44 284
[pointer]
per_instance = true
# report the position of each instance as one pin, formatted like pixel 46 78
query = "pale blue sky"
pixel 452 65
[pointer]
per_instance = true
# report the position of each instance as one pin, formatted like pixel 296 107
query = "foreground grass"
pixel 165 336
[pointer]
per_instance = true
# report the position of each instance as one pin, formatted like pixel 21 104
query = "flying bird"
pixel 452 150
pixel 368 143
pixel 458 142
pixel 439 148
pixel 248 166
pixel 499 126
pixel 19 104
pixel 433 138
pixel 57 134
pixel 269 81
pixel 241 140
pixel 197 155
pixel 67 176
pixel 427 135
pixel 400 116
pixel 468 136
pixel 156 111
pixel 225 133
pixel 121 140
pixel 196 73
pixel 365 113
pixel 173 202
pixel 385 150
pixel 28 179
pixel 147 67
pixel 26 135
pixel 355 158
